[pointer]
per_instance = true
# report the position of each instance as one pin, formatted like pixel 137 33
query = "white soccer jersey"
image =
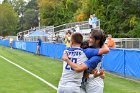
pixel 95 85
pixel 69 76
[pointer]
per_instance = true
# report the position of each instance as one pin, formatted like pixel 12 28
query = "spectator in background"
pixel 94 21
pixel 77 28
pixel 73 29
pixel 68 38
pixel 90 21
pixel 18 37
pixel 111 43
pixel 11 41
pixel 34 29
pixel 39 41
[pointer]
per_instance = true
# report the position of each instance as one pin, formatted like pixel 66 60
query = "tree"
pixel 56 12
pixel 6 1
pixel 28 14
pixel 19 6
pixel 31 15
pixel 8 20
pixel 30 18
pixel 32 4
pixel 117 16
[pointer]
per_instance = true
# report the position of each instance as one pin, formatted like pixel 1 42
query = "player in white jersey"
pixel 70 81
pixel 93 85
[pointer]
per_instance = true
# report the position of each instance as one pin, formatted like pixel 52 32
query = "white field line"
pixel 49 84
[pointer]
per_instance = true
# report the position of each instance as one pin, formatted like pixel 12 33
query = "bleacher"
pixel 55 34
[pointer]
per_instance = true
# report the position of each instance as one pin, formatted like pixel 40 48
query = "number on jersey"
pixel 74 60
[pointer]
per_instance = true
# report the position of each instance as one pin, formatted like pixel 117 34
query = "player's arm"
pixel 90 52
pixel 76 67
pixel 93 62
pixel 103 50
pixel 82 66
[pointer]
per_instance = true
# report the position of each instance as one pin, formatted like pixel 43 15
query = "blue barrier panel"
pixel 26 46
pixel 43 49
pixel 19 45
pixel 5 43
pixel 114 61
pixel 132 60
pixel 122 61
pixel 31 47
pixel 59 50
pixel 52 50
pixel 47 49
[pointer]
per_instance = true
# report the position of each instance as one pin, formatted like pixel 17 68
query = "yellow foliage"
pixel 81 17
pixel 45 3
pixel 133 20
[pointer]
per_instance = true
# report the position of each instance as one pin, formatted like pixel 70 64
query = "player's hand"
pixel 102 73
pixel 94 71
pixel 65 57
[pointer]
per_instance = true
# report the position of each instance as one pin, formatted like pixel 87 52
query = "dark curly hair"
pixel 98 35
pixel 84 44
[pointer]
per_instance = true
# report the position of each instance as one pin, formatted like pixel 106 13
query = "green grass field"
pixel 15 80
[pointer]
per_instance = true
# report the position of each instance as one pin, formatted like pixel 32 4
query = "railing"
pixel 8 37
pixel 56 34
pixel 83 26
pixel 130 43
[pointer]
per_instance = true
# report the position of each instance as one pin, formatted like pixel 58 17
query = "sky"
pixel 1 1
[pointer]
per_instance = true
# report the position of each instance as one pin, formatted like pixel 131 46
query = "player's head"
pixel 76 38
pixel 69 33
pixel 109 36
pixel 84 44
pixel 38 38
pixel 97 38
pixel 91 16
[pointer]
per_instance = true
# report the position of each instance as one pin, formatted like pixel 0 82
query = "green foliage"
pixel 28 14
pixel 6 1
pixel 19 6
pixel 8 20
pixel 32 4
pixel 30 18
pixel 118 17
pixel 135 32
pixel 57 12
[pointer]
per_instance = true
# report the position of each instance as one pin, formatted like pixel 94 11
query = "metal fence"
pixel 8 37
pixel 84 28
pixel 129 43
pixel 57 34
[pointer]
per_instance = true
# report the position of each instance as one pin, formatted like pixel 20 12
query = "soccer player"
pixel 70 81
pixel 93 85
